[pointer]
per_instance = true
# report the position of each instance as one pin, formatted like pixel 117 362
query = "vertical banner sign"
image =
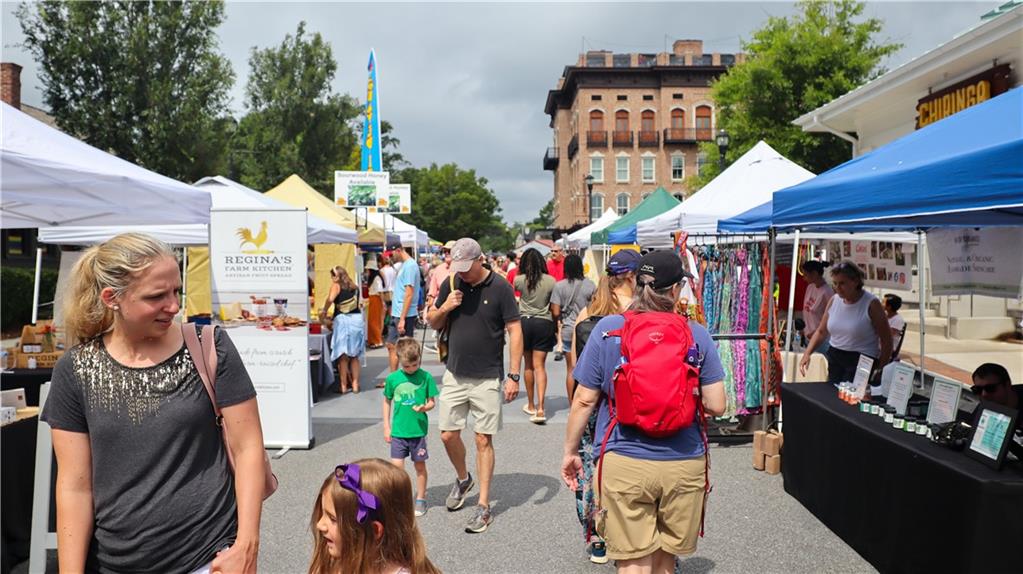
pixel 396 198
pixel 261 297
pixel 361 189
pixel 976 261
pixel 371 156
pixel 885 263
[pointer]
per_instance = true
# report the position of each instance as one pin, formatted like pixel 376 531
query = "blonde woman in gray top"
pixel 539 334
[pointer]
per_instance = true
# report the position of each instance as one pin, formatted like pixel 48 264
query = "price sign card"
pixel 864 368
pixel 901 388
pixel 944 401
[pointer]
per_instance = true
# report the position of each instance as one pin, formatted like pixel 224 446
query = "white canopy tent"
pixel 224 194
pixel 411 236
pixel 52 179
pixel 580 239
pixel 750 181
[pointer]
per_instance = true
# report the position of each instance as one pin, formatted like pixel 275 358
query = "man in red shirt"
pixel 556 263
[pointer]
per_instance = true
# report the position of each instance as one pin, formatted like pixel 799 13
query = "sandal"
pixel 528 411
pixel 538 418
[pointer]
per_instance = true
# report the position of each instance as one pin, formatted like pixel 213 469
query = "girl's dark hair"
pixel 574 268
pixel 533 267
pixel 373 274
pixel 815 266
pixel 893 301
pixel 650 299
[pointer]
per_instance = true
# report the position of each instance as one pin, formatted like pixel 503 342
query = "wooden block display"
pixel 772 444
pixel 773 464
pixel 758 460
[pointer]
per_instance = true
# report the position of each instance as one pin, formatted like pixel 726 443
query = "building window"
pixel 622 60
pixel 596 206
pixel 701 160
pixel 596 121
pixel 595 60
pixel 648 169
pixel 703 127
pixel 597 169
pixel 648 98
pixel 596 97
pixel 678 118
pixel 678 96
pixel 621 121
pixel 623 203
pixel 678 167
pixel 646 121
pixel 622 169
pixel 623 98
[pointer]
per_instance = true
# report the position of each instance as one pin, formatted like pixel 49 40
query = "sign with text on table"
pixel 361 188
pixel 260 296
pixel 885 263
pixel 987 261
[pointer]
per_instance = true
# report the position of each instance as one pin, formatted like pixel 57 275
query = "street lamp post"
pixel 589 198
pixel 722 139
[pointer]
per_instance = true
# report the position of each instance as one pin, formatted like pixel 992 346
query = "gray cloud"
pixel 466 83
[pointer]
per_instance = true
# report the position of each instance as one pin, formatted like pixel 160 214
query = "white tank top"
pixel 850 326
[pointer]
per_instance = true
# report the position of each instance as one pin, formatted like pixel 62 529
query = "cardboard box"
pixel 758 440
pixel 43 360
pixel 758 460
pixel 772 444
pixel 773 464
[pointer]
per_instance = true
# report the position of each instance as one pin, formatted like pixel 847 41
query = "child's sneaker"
pixel 598 551
pixel 420 507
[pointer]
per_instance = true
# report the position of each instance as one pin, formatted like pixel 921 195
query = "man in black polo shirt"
pixel 479 311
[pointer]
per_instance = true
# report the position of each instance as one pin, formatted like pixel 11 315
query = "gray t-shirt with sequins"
pixel 162 488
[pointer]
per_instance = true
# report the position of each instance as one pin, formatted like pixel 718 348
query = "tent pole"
pixel 772 327
pixel 184 281
pixel 923 296
pixel 792 293
pixel 35 287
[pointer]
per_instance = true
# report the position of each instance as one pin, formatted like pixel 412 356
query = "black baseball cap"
pixel 661 269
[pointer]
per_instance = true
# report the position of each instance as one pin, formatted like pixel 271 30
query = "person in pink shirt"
pixel 815 299
pixel 439 275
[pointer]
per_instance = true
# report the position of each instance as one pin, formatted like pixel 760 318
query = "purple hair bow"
pixel 350 476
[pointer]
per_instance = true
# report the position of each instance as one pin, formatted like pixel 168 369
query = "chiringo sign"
pixel 958 97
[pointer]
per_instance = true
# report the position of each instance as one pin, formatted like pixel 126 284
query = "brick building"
pixel 633 122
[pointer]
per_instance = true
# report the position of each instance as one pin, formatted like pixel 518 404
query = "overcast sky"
pixel 466 83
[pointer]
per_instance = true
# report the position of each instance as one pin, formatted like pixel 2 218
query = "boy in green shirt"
pixel 412 391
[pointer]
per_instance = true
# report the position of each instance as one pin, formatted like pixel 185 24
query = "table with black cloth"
pixel 902 502
pixel 28 379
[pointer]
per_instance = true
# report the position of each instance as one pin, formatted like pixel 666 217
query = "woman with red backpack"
pixel 652 475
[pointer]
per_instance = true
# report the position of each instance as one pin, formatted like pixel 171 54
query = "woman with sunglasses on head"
pixel 363 523
pixel 856 324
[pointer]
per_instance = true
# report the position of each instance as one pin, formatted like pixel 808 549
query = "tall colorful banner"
pixel 260 297
pixel 371 155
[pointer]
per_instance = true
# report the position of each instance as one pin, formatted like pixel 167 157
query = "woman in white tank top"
pixel 856 324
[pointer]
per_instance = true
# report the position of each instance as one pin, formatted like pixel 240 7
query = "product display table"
pixel 902 502
pixel 28 379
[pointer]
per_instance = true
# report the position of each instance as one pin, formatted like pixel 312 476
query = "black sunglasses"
pixel 980 389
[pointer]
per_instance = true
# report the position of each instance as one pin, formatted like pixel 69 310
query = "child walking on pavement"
pixel 408 395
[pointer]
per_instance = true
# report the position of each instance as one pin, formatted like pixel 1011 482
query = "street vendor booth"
pixel 580 238
pixel 623 231
pixel 957 179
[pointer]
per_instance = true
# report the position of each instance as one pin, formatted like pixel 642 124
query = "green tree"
pixel 295 122
pixel 794 66
pixel 449 202
pixel 144 80
pixel 545 219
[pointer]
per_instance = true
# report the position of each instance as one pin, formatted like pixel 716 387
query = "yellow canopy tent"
pixel 295 191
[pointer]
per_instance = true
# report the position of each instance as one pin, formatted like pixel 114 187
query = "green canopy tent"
pixel 623 231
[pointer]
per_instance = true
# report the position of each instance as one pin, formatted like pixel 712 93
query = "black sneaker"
pixel 456 498
pixel 559 356
pixel 480 520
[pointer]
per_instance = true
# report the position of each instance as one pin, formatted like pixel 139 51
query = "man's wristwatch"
pixel 513 377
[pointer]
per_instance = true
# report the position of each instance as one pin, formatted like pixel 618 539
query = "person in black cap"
pixel 652 492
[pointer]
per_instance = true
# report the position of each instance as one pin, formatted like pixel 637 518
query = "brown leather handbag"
pixel 444 335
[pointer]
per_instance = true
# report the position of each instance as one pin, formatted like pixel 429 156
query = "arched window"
pixel 596 121
pixel 622 203
pixel 647 121
pixel 704 131
pixel 678 119
pixel 621 121
pixel 596 206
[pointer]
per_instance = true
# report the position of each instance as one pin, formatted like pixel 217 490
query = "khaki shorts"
pixel 461 395
pixel 650 505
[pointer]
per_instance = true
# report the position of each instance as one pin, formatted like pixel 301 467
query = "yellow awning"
pixel 295 191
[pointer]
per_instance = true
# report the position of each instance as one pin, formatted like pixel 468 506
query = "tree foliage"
pixel 794 66
pixel 295 122
pixel 449 202
pixel 144 80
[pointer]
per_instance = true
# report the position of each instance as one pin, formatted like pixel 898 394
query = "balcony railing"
pixel 596 139
pixel 550 159
pixel 622 139
pixel 573 146
pixel 649 138
pixel 687 135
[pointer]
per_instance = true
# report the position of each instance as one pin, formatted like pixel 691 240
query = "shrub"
pixel 16 295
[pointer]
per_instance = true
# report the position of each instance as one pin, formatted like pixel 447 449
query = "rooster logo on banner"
pixel 256 240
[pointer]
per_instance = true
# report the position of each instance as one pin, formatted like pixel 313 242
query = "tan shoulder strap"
pixel 204 355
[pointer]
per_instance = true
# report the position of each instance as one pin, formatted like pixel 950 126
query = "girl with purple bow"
pixel 363 523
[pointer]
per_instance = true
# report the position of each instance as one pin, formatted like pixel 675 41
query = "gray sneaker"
pixel 456 498
pixel 480 520
pixel 420 507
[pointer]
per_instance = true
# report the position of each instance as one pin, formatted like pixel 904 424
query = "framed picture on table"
pixel 993 426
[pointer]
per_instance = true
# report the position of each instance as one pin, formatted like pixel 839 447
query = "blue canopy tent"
pixel 963 171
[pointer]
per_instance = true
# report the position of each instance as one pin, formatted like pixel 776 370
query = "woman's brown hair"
pixel 360 552
pixel 605 301
pixel 343 279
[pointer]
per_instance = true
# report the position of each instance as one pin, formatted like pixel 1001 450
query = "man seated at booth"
pixel 991 382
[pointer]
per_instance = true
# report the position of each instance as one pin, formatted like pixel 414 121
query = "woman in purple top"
pixel 653 488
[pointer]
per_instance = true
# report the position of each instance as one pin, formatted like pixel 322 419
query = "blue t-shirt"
pixel 595 370
pixel 407 275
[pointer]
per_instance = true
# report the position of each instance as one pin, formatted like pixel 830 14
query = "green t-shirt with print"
pixel 406 391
